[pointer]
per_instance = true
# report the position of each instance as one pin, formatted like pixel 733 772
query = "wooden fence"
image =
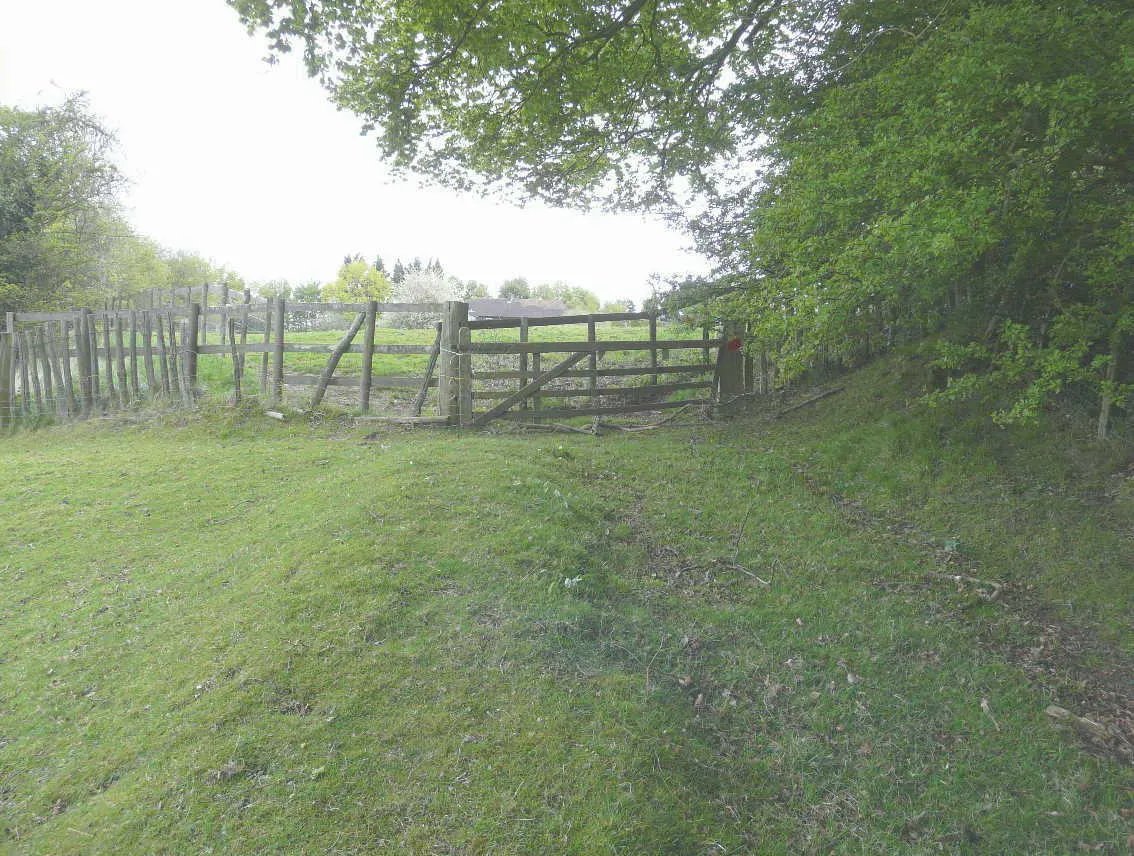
pixel 73 364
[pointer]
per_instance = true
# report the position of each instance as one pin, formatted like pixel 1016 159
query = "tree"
pixel 357 282
pixel 424 286
pixel 855 168
pixel 515 289
pixel 472 290
pixel 399 273
pixel 58 197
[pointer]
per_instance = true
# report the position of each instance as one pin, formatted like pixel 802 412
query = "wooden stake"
pixel 523 360
pixel 464 376
pixel 5 380
pixel 30 368
pixel 189 340
pixel 111 393
pixel 278 351
pixel 592 361
pixel 163 358
pixel 174 380
pixel 654 350
pixel 367 356
pixel 236 366
pixel 148 353
pixel 137 391
pixel 120 358
pixel 267 341
pixel 65 364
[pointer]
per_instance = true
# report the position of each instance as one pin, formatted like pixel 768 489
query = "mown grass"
pixel 235 635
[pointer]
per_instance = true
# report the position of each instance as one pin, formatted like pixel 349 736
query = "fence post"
pixel 592 360
pixel 448 379
pixel 367 356
pixel 730 362
pixel 653 348
pixel 277 351
pixel 464 375
pixel 5 385
pixel 191 349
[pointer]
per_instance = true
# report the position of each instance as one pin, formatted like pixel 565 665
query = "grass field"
pixel 232 635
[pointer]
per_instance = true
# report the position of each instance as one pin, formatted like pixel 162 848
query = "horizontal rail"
pixel 376 382
pixel 309 348
pixel 230 308
pixel 580 392
pixel 700 368
pixel 568 412
pixel 588 347
pixel 551 321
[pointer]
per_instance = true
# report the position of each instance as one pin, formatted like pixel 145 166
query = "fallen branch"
pixel 996 587
pixel 1082 724
pixel 811 400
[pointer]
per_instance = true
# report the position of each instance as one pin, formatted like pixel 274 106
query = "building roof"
pixel 498 308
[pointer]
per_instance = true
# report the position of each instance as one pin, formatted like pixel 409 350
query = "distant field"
pixel 235 635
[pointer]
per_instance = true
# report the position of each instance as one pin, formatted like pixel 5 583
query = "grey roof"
pixel 498 308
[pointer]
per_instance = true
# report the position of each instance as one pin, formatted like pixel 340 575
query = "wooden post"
pixel 134 354
pixel 31 369
pixel 174 379
pixel 523 359
pixel 62 400
pixel 537 399
pixel 705 343
pixel 65 365
pixel 120 345
pixel 148 354
pixel 190 342
pixel 5 379
pixel 278 352
pixel 267 341
pixel 448 388
pixel 163 358
pixel 592 360
pixel 653 348
pixel 188 389
pixel 205 303
pixel 10 322
pixel 237 369
pixel 109 366
pixel 464 375
pixel 244 330
pixel 730 362
pixel 52 377
pixel 224 314
pixel 367 356
pixel 39 345
pixel 92 351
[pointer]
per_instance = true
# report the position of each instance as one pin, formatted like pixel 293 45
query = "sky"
pixel 250 164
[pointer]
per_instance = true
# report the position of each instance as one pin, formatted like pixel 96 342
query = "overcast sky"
pixel 250 165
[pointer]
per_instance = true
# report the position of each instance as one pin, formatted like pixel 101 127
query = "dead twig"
pixel 996 587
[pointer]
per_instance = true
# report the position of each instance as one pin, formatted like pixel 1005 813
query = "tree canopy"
pixel 855 169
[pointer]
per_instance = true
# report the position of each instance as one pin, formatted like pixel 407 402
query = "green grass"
pixel 235 635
